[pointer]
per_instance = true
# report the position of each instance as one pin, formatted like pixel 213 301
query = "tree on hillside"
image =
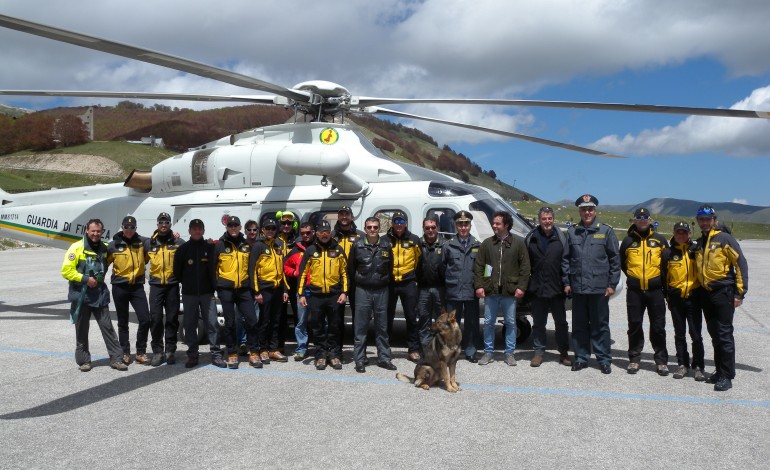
pixel 7 134
pixel 70 130
pixel 35 132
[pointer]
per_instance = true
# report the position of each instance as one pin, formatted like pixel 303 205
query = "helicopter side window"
pixel 482 217
pixel 446 223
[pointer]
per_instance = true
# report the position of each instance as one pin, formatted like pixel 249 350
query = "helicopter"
pixel 311 166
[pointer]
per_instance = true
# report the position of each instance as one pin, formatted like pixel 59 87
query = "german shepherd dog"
pixel 441 355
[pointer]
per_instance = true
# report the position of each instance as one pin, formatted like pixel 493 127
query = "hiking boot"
pixel 565 360
pixel 510 359
pixel 486 359
pixel 360 367
pixel 170 358
pixel 264 356
pixel 414 356
pixel 157 359
pixel 662 370
pixel 681 372
pixel 243 350
pixel 126 359
pixel 218 362
pixel 320 363
pixel 85 367
pixel 387 365
pixel 724 384
pixel 117 365
pixel 536 360
pixel 255 361
pixel 336 363
pixel 699 377
pixel 605 368
pixel 192 361
pixel 278 356
pixel 142 358
pixel 299 356
pixel 633 367
pixel 232 361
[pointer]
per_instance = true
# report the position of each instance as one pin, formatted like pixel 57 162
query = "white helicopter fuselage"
pixel 311 169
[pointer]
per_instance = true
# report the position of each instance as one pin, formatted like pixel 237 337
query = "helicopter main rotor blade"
pixel 149 56
pixel 141 95
pixel 364 101
pixel 552 143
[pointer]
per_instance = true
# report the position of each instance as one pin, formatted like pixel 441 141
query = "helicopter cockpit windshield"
pixel 483 211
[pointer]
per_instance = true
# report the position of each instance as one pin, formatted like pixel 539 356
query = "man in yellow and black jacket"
pixel 231 256
pixel 403 285
pixel 323 286
pixel 269 289
pixel 346 233
pixel 683 292
pixel 724 274
pixel 643 260
pixel 84 266
pixel 127 256
pixel 160 249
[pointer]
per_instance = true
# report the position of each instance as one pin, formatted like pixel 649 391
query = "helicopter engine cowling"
pixel 308 159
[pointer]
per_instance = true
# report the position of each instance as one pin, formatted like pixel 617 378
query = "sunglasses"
pixel 164 222
pixel 372 227
pixel 129 227
pixel 429 228
pixel 642 217
pixel 399 221
pixel 324 232
pixel 287 222
pixel 252 230
pixel 272 227
pixel 233 225
pixel 706 213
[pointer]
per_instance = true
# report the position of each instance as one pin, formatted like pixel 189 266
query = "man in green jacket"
pixel 500 275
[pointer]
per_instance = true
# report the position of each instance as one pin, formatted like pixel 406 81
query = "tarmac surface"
pixel 290 415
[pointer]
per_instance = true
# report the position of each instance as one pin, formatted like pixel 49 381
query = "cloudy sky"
pixel 709 53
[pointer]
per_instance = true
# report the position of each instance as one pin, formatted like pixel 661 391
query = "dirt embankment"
pixel 64 163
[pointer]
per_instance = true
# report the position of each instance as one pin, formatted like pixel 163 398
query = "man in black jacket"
pixel 430 278
pixel 370 264
pixel 547 247
pixel 195 269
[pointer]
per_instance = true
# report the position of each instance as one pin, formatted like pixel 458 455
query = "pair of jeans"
pixel 491 305
pixel 371 301
pixel 467 311
pixel 300 329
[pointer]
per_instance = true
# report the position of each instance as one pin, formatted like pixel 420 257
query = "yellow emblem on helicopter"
pixel 329 136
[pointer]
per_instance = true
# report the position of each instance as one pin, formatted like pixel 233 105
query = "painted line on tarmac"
pixel 466 386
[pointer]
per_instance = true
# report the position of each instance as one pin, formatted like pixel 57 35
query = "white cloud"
pixel 736 137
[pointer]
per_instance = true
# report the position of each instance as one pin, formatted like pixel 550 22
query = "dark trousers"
pixel 430 303
pixel 245 301
pixel 718 309
pixel 407 293
pixel 102 317
pixel 371 301
pixel 352 302
pixel 653 301
pixel 123 295
pixel 196 307
pixel 283 324
pixel 270 319
pixel 325 323
pixel 164 297
pixel 468 312
pixel 540 308
pixel 591 327
pixel 686 315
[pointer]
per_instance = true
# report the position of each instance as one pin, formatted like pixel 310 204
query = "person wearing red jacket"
pixel 291 271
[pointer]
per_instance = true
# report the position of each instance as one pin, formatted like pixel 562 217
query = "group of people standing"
pixel 317 270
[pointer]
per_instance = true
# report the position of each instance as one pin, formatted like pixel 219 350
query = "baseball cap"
pixel 587 200
pixel 642 213
pixel 323 226
pixel 681 226
pixel 233 220
pixel 345 209
pixel 129 220
pixel 164 216
pixel 269 223
pixel 196 223
pixel 706 211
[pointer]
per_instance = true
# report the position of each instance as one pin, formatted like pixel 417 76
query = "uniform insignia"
pixel 227 250
pixel 634 245
pixel 352 239
pixel 267 251
pixel 244 249
pixel 316 254
pixel 385 254
pixel 653 243
pixel 189 261
pixel 333 254
pixel 405 244
pixel 677 258
pixel 474 250
pixel 438 251
pixel 599 235
pixel 121 248
pixel 71 257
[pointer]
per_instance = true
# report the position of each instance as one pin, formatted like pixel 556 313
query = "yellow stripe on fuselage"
pixel 39 232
